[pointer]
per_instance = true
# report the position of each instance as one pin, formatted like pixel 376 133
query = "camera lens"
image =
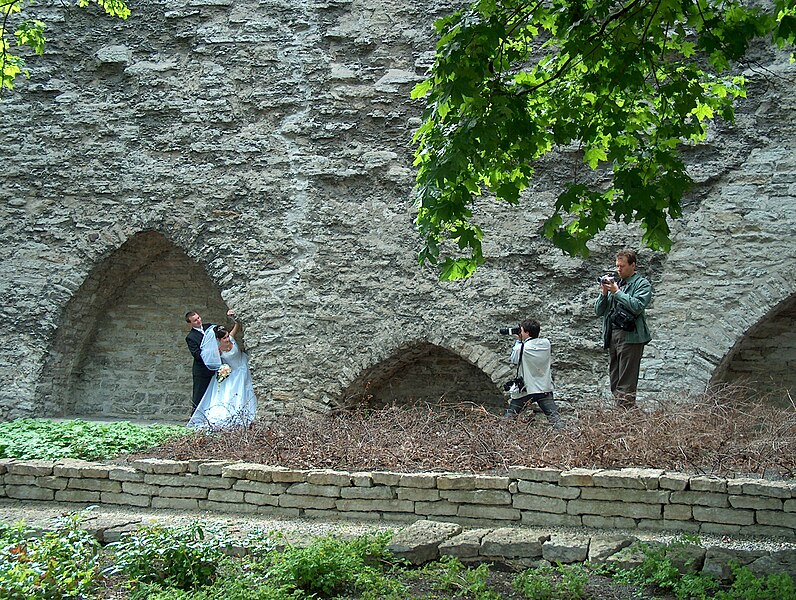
pixel 509 330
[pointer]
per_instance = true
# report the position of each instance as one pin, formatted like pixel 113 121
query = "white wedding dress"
pixel 227 404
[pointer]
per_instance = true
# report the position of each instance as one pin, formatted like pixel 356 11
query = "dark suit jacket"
pixel 194 341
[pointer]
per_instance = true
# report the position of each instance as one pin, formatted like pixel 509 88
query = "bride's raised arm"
pixel 237 327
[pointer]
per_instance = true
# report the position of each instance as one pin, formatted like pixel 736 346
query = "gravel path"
pixel 108 519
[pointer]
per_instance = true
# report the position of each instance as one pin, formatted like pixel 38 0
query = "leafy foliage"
pixel 235 586
pixel 623 82
pixel 174 557
pixel 330 566
pixel 59 564
pixel 455 580
pixel 45 439
pixel 564 582
pixel 30 32
pixel 660 570
pixel 184 563
pixel 746 586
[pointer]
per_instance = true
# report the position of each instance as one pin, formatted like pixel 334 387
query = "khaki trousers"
pixel 625 363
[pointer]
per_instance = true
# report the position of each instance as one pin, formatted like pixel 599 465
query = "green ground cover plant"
pixel 664 569
pixel 192 563
pixel 176 557
pixel 331 566
pixel 62 563
pixel 47 439
pixel 453 579
pixel 563 582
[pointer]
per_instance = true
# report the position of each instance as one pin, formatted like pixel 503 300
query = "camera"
pixel 606 279
pixel 515 384
pixel 510 330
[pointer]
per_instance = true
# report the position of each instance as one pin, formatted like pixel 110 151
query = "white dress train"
pixel 230 403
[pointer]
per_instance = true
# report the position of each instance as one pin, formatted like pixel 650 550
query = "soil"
pixel 723 438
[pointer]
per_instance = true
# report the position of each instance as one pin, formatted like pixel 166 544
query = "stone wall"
pixel 766 357
pixel 643 499
pixel 263 151
pixel 519 548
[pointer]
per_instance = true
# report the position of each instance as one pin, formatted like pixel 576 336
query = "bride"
pixel 229 401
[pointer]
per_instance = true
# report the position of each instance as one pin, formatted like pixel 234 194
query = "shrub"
pixel 331 566
pixel 177 557
pixel 45 439
pixel 747 586
pixel 59 564
pixel 659 570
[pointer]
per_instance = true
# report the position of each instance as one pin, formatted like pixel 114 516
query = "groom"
pixel 201 374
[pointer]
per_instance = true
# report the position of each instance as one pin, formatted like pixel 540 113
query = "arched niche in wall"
pixel 764 359
pixel 424 373
pixel 120 348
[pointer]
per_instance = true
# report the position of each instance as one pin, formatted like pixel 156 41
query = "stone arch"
pixel 428 371
pixel 119 350
pixel 764 358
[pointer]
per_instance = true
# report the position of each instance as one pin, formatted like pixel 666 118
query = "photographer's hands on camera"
pixel 608 283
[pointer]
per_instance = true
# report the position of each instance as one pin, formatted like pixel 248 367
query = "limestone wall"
pixel 766 356
pixel 643 499
pixel 257 155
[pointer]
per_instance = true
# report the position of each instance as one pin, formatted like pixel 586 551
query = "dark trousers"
pixel 545 402
pixel 624 367
pixel 200 384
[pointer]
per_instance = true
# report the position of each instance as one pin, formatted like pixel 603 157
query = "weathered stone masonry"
pixel 635 499
pixel 257 155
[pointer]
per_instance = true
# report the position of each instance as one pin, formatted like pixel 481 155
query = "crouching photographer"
pixel 534 379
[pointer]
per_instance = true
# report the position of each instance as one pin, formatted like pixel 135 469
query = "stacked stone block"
pixel 633 499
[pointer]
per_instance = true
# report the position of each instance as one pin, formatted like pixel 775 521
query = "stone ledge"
pixel 632 499
pixel 425 540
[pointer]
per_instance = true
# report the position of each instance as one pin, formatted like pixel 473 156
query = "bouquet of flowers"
pixel 223 373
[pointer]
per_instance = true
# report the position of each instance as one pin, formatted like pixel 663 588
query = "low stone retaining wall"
pixel 519 548
pixel 635 499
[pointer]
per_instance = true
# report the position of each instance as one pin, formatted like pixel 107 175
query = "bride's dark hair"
pixel 221 331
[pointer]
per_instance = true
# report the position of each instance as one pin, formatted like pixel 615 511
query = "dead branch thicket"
pixel 713 435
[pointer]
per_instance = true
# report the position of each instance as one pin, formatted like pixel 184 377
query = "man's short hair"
pixel 532 327
pixel 189 314
pixel 628 254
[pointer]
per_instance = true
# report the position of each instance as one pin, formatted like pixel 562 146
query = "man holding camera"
pixel 534 381
pixel 621 304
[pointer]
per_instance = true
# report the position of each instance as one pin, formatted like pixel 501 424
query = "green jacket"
pixel 635 295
